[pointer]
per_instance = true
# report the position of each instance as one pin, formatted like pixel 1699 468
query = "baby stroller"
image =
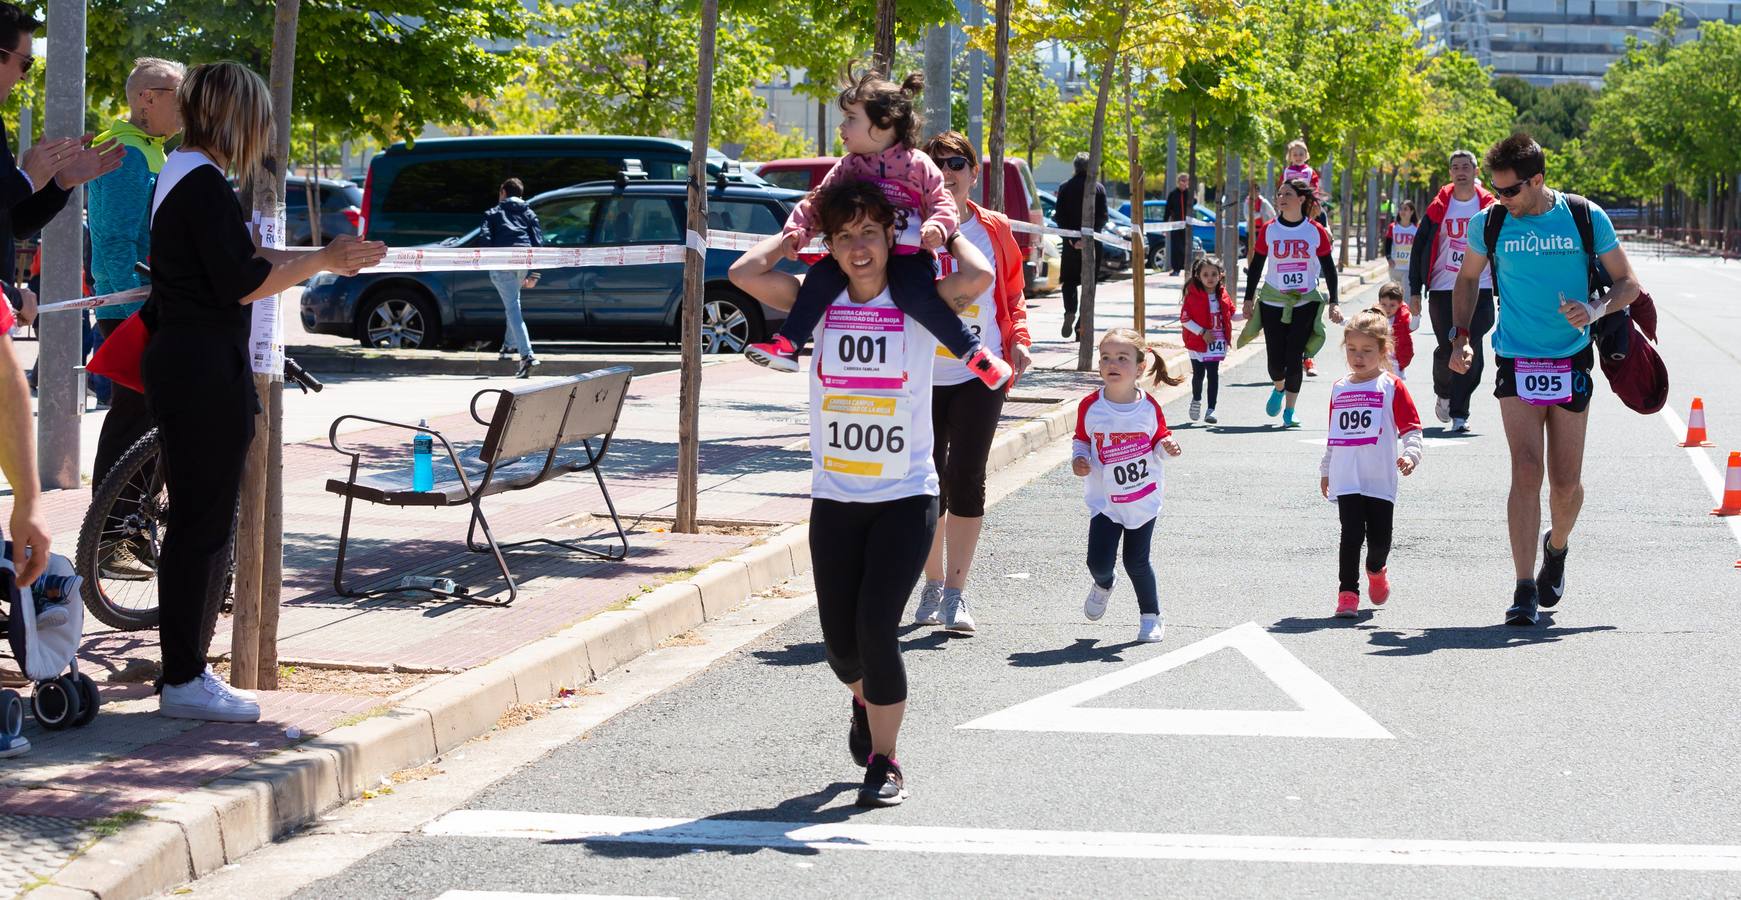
pixel 43 624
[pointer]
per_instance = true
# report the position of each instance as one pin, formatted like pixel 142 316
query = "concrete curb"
pixel 203 830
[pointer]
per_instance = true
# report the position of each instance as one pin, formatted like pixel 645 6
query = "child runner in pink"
pixel 878 128
pixel 1375 433
pixel 1117 430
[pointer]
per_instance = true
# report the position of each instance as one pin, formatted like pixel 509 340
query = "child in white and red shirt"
pixel 1375 433
pixel 1206 323
pixel 1402 324
pixel 879 127
pixel 1118 428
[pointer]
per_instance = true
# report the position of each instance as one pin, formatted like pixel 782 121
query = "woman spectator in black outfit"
pixel 205 271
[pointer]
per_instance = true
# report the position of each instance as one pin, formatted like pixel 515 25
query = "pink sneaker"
pixel 778 354
pixel 1347 605
pixel 1378 585
pixel 990 369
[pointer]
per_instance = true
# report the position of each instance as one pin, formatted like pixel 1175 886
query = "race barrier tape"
pixel 483 259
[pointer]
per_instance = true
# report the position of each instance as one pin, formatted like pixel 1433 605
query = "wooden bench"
pixel 534 435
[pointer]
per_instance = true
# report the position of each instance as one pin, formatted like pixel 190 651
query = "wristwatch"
pixel 1458 331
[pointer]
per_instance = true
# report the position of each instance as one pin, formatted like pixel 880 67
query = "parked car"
pixel 1204 229
pixel 1110 259
pixel 341 210
pixel 611 303
pixel 1020 194
pixel 1047 275
pixel 437 188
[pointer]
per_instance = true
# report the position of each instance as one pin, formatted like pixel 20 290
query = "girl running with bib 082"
pixel 1375 433
pixel 1118 429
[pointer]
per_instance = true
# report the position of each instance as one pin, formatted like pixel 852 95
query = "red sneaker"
pixel 778 354
pixel 990 369
pixel 1378 585
pixel 1311 367
pixel 1347 605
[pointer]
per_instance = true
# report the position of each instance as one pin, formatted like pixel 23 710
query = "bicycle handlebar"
pixel 301 377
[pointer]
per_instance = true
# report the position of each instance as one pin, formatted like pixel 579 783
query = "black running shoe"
pixel 883 784
pixel 1069 326
pixel 1523 606
pixel 858 741
pixel 1550 579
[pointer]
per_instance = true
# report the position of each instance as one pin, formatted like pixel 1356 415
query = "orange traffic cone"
pixel 1696 436
pixel 1731 488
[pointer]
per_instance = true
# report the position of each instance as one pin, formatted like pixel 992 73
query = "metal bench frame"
pixel 499 426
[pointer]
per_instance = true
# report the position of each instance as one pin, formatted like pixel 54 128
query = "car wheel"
pixel 729 321
pixel 398 318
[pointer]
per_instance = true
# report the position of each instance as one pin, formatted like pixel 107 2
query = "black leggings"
pixel 964 421
pixel 913 287
pixel 1103 535
pixel 1199 369
pixel 1285 344
pixel 202 401
pixel 1446 383
pixel 867 557
pixel 1363 518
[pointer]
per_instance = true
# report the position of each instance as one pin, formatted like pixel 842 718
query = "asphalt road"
pixel 1591 756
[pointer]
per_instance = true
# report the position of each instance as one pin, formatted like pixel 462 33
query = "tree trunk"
pixel 260 530
pixel 1085 326
pixel 311 188
pixel 1191 172
pixel 1000 98
pixel 694 275
pixel 821 127
pixel 883 59
pixel 1138 252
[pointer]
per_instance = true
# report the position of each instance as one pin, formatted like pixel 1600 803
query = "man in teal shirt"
pixel 1543 352
pixel 120 220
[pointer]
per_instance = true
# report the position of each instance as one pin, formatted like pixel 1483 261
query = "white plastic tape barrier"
pixel 1101 236
pixel 482 259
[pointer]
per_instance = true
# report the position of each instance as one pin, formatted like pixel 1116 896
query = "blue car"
pixel 1204 229
pixel 591 303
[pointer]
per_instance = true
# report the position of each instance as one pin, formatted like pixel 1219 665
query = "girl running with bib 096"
pixel 1117 430
pixel 873 482
pixel 1375 433
pixel 1206 319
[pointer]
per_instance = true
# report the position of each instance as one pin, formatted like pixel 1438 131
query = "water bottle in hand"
pixel 423 460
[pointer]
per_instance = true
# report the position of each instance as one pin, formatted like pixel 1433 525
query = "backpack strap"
pixel 1490 235
pixel 1597 276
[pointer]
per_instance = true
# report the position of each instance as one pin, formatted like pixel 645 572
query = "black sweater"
pixel 202 260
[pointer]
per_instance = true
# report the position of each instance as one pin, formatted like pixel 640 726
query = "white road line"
pixel 1323 711
pixel 1084 844
pixel 1707 470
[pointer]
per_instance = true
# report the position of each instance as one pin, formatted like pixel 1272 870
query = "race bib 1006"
pixel 1356 417
pixel 1126 471
pixel 1544 382
pixel 865 348
pixel 864 436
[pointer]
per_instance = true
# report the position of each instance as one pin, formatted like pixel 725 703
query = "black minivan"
pixel 440 187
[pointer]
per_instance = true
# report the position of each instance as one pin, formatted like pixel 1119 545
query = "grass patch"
pixel 359 718
pixel 110 826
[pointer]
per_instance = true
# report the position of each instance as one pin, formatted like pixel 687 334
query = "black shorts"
pixel 1505 384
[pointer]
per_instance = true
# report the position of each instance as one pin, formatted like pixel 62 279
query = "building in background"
pixel 1550 41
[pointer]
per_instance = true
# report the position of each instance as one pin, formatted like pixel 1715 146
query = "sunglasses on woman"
pixel 953 163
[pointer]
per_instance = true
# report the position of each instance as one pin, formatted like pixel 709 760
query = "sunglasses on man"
pixel 1511 191
pixel 953 163
pixel 23 67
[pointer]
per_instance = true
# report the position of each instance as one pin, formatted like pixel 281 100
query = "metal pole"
pixel 1138 253
pixel 62 347
pixel 694 273
pixel 976 81
pixel 1371 216
pixel 937 85
pixel 1172 157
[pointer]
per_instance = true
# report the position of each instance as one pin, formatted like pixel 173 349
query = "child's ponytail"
pixel 1158 369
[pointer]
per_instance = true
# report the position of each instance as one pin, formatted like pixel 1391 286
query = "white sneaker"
pixel 207 697
pixel 1095 606
pixel 1459 426
pixel 1153 629
pixel 1196 409
pixel 1442 409
pixel 930 599
pixel 956 615
pixel 53 615
pixel 1210 417
pixel 13 745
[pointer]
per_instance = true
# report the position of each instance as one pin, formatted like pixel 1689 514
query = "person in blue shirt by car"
pixel 511 223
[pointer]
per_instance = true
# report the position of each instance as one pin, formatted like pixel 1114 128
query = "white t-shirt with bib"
pixel 1368 419
pixel 1124 468
pixel 981 316
pixel 1453 242
pixel 1402 242
pixel 870 404
pixel 1293 252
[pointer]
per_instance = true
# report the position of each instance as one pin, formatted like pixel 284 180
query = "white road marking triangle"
pixel 1323 712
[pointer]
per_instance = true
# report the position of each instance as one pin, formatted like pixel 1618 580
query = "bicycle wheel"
pixel 120 539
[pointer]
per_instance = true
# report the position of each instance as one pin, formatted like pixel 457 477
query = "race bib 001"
pixel 864 436
pixel 1126 472
pixel 866 348
pixel 1544 382
pixel 1356 417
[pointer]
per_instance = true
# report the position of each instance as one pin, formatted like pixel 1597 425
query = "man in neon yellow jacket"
pixel 120 220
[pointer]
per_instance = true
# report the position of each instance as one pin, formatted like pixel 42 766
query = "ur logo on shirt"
pixel 1455 229
pixel 1292 249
